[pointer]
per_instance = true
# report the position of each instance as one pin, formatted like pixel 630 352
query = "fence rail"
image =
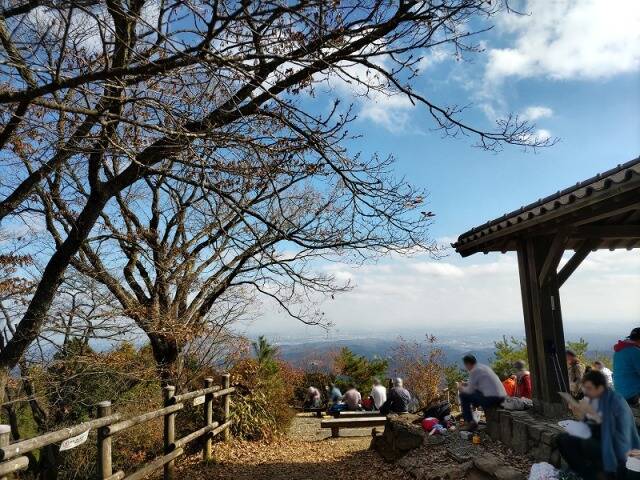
pixel 107 424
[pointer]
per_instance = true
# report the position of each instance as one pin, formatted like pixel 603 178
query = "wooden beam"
pixel 608 232
pixel 577 258
pixel 554 255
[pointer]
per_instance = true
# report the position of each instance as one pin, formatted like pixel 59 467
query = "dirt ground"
pixel 307 452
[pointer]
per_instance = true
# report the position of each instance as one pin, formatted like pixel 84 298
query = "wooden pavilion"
pixel 602 212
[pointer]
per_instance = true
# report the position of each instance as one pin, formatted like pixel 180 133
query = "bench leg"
pixel 335 432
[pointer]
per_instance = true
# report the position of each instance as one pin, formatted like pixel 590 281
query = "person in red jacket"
pixel 523 380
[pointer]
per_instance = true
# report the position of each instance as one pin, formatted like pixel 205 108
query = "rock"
pixel 487 463
pixel 508 473
pixel 505 429
pixel 519 436
pixel 455 472
pixel 400 436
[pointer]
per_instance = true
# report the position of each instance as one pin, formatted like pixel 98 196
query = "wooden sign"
pixel 198 400
pixel 73 442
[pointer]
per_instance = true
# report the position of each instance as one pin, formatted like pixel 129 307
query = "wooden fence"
pixel 108 424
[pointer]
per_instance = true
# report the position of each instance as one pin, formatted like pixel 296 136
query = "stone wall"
pixel 525 433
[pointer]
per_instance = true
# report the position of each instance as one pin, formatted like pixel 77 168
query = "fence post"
pixel 105 468
pixel 5 439
pixel 169 431
pixel 226 383
pixel 208 420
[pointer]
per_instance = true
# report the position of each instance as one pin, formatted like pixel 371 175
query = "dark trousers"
pixel 584 456
pixel 476 399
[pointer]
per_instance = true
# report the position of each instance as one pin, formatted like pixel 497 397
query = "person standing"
pixel 626 367
pixel 484 389
pixel 576 372
pixel 523 380
pixel 352 398
pixel 613 432
pixel 378 393
pixel 608 374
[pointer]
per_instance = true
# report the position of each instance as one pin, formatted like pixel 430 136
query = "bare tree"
pixel 112 92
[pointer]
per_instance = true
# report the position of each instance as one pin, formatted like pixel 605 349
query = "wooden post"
pixel 5 439
pixel 105 468
pixel 208 420
pixel 169 431
pixel 226 383
pixel 543 321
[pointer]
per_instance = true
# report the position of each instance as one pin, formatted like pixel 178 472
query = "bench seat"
pixel 335 424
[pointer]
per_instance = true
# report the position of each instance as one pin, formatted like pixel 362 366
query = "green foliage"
pixel 580 349
pixel 507 352
pixel 359 369
pixel 266 356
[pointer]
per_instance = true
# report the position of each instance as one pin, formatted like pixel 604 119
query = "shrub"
pixel 261 407
pixel 421 365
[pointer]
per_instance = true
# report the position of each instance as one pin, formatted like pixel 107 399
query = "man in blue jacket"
pixel 626 367
pixel 613 432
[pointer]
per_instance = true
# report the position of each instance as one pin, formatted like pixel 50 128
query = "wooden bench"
pixel 356 414
pixel 335 424
pixel 318 411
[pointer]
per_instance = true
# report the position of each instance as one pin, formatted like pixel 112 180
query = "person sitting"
pixel 484 389
pixel 523 380
pixel 608 374
pixel 626 367
pixel 313 398
pixel 352 398
pixel 398 400
pixel 378 393
pixel 613 432
pixel 576 372
pixel 510 385
pixel 335 395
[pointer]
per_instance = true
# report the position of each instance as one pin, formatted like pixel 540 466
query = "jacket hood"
pixel 622 344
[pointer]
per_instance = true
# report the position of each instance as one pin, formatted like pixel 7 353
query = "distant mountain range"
pixel 303 353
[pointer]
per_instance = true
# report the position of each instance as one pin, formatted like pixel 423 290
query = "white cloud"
pixel 536 112
pixel 476 293
pixel 569 39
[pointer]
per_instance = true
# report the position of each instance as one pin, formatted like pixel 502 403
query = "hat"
pixel 635 334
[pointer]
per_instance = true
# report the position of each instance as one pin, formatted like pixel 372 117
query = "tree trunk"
pixel 31 323
pixel 166 352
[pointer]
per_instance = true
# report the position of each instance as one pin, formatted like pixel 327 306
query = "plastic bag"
pixel 544 471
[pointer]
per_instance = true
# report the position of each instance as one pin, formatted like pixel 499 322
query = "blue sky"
pixel 570 66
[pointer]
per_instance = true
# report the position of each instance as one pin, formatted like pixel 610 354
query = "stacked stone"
pixel 525 434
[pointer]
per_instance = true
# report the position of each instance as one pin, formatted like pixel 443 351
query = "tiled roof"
pixel 626 177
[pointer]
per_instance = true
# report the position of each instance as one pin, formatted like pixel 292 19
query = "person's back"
pixel 626 367
pixel 379 394
pixel 352 398
pixel 335 395
pixel 510 386
pixel 484 380
pixel 399 399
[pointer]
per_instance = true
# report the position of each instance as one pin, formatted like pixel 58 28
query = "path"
pixel 306 453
